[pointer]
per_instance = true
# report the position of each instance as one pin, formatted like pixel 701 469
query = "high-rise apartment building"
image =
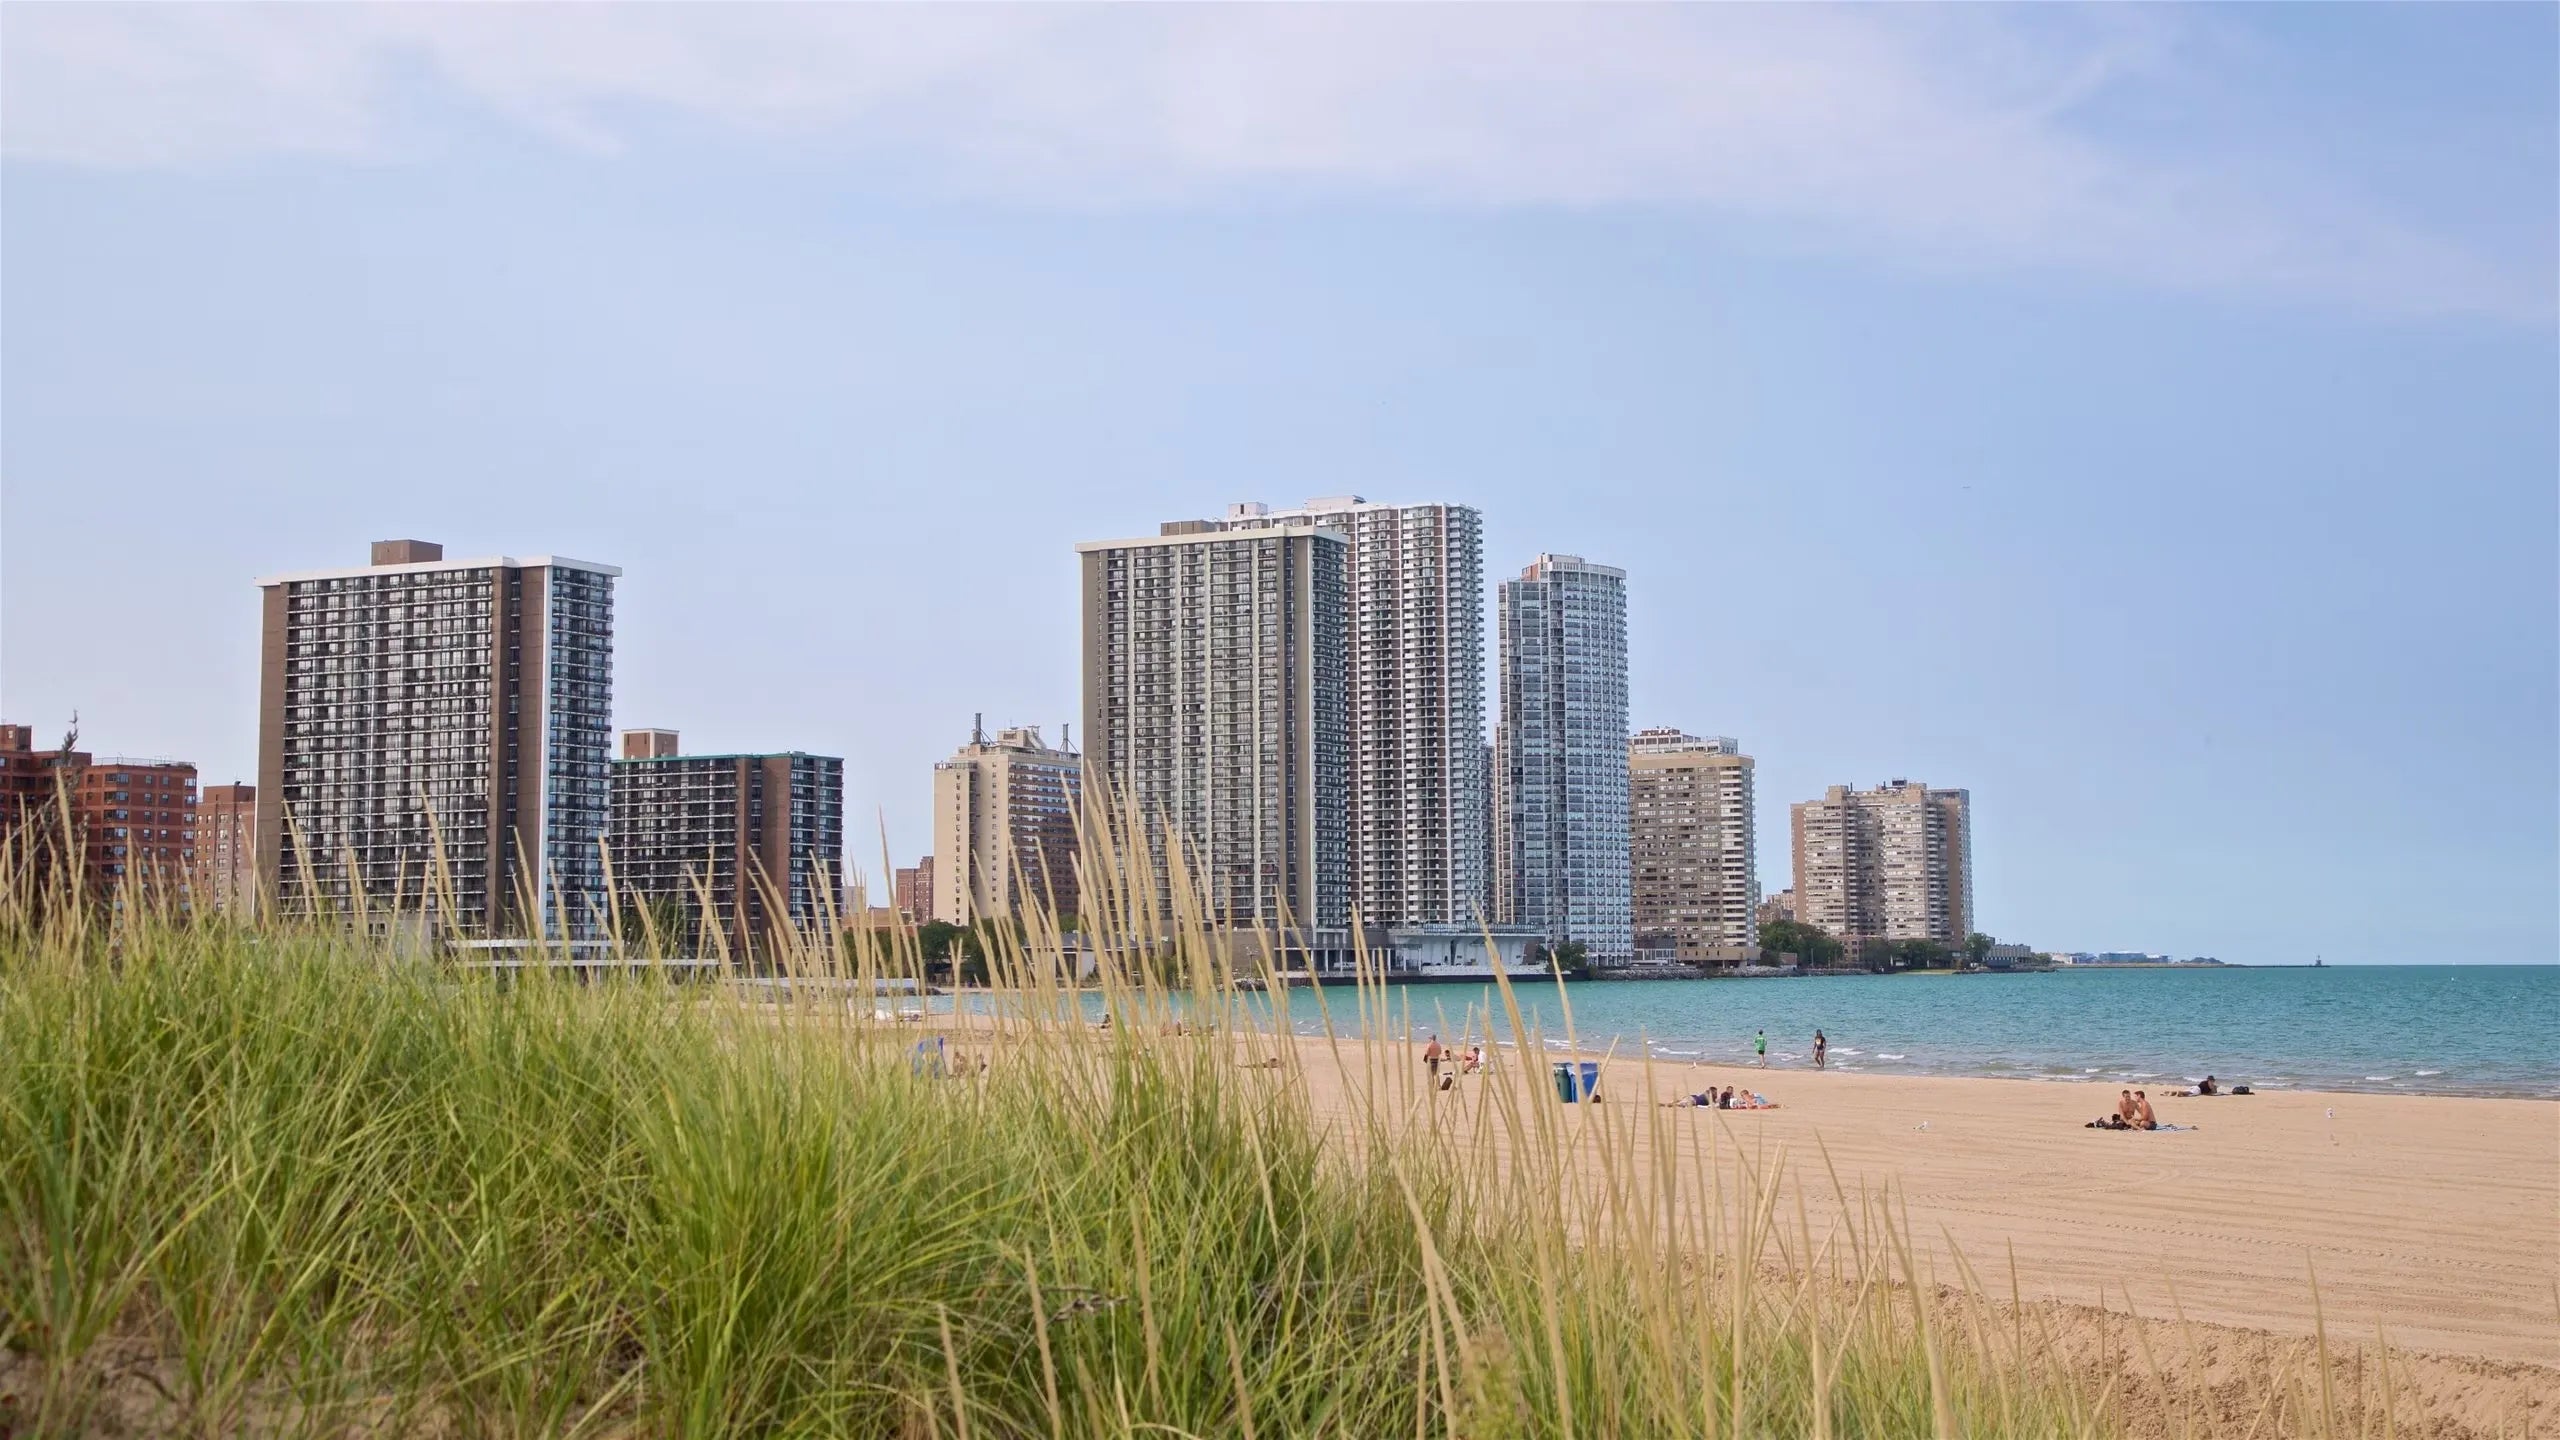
pixel 1413 652
pixel 1004 819
pixel 913 890
pixel 1892 863
pixel 1213 704
pixel 1560 764
pixel 1696 877
pixel 748 846
pixel 433 734
pixel 226 848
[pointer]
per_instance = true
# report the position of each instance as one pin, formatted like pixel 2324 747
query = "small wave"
pixel 1883 1055
pixel 2092 1070
pixel 2139 1074
pixel 2382 1077
pixel 1845 1050
pixel 2426 1072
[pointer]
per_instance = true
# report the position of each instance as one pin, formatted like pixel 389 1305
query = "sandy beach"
pixel 2436 1217
pixel 2430 1222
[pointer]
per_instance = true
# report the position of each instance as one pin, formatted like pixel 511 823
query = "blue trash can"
pixel 1577 1080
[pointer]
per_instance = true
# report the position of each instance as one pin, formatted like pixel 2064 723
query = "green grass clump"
pixel 292 1181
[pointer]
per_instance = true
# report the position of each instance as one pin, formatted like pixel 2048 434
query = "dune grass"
pixel 287 1180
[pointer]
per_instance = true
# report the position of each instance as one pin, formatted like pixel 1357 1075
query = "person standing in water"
pixel 1821 1049
pixel 1760 1044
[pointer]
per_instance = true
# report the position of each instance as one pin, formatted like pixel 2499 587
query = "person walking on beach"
pixel 1760 1044
pixel 1432 1055
pixel 1821 1049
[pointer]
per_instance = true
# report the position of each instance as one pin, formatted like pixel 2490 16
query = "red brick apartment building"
pixel 27 802
pixel 131 818
pixel 138 822
pixel 914 892
pixel 226 875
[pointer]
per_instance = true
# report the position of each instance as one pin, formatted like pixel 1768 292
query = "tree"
pixel 1977 945
pixel 1567 954
pixel 935 938
pixel 1810 944
pixel 1920 955
pixel 967 950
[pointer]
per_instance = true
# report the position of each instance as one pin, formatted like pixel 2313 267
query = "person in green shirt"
pixel 1760 1043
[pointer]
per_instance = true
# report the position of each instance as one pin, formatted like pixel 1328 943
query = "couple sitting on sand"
pixel 2133 1112
pixel 1725 1099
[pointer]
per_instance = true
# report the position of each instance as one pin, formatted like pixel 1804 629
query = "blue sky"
pixel 2146 419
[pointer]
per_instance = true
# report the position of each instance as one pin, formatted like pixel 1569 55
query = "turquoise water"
pixel 2454 1030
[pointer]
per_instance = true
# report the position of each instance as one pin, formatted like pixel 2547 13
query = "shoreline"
pixel 1948 1045
pixel 2152 1082
pixel 1670 1052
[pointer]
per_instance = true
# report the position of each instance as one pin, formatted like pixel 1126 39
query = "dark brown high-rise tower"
pixel 433 735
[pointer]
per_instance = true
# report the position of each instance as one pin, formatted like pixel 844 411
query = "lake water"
pixel 2455 1030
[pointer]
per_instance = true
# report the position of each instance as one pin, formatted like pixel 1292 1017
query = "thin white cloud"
pixel 1946 135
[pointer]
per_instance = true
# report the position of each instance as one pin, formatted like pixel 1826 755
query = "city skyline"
pixel 395 557
pixel 2010 458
